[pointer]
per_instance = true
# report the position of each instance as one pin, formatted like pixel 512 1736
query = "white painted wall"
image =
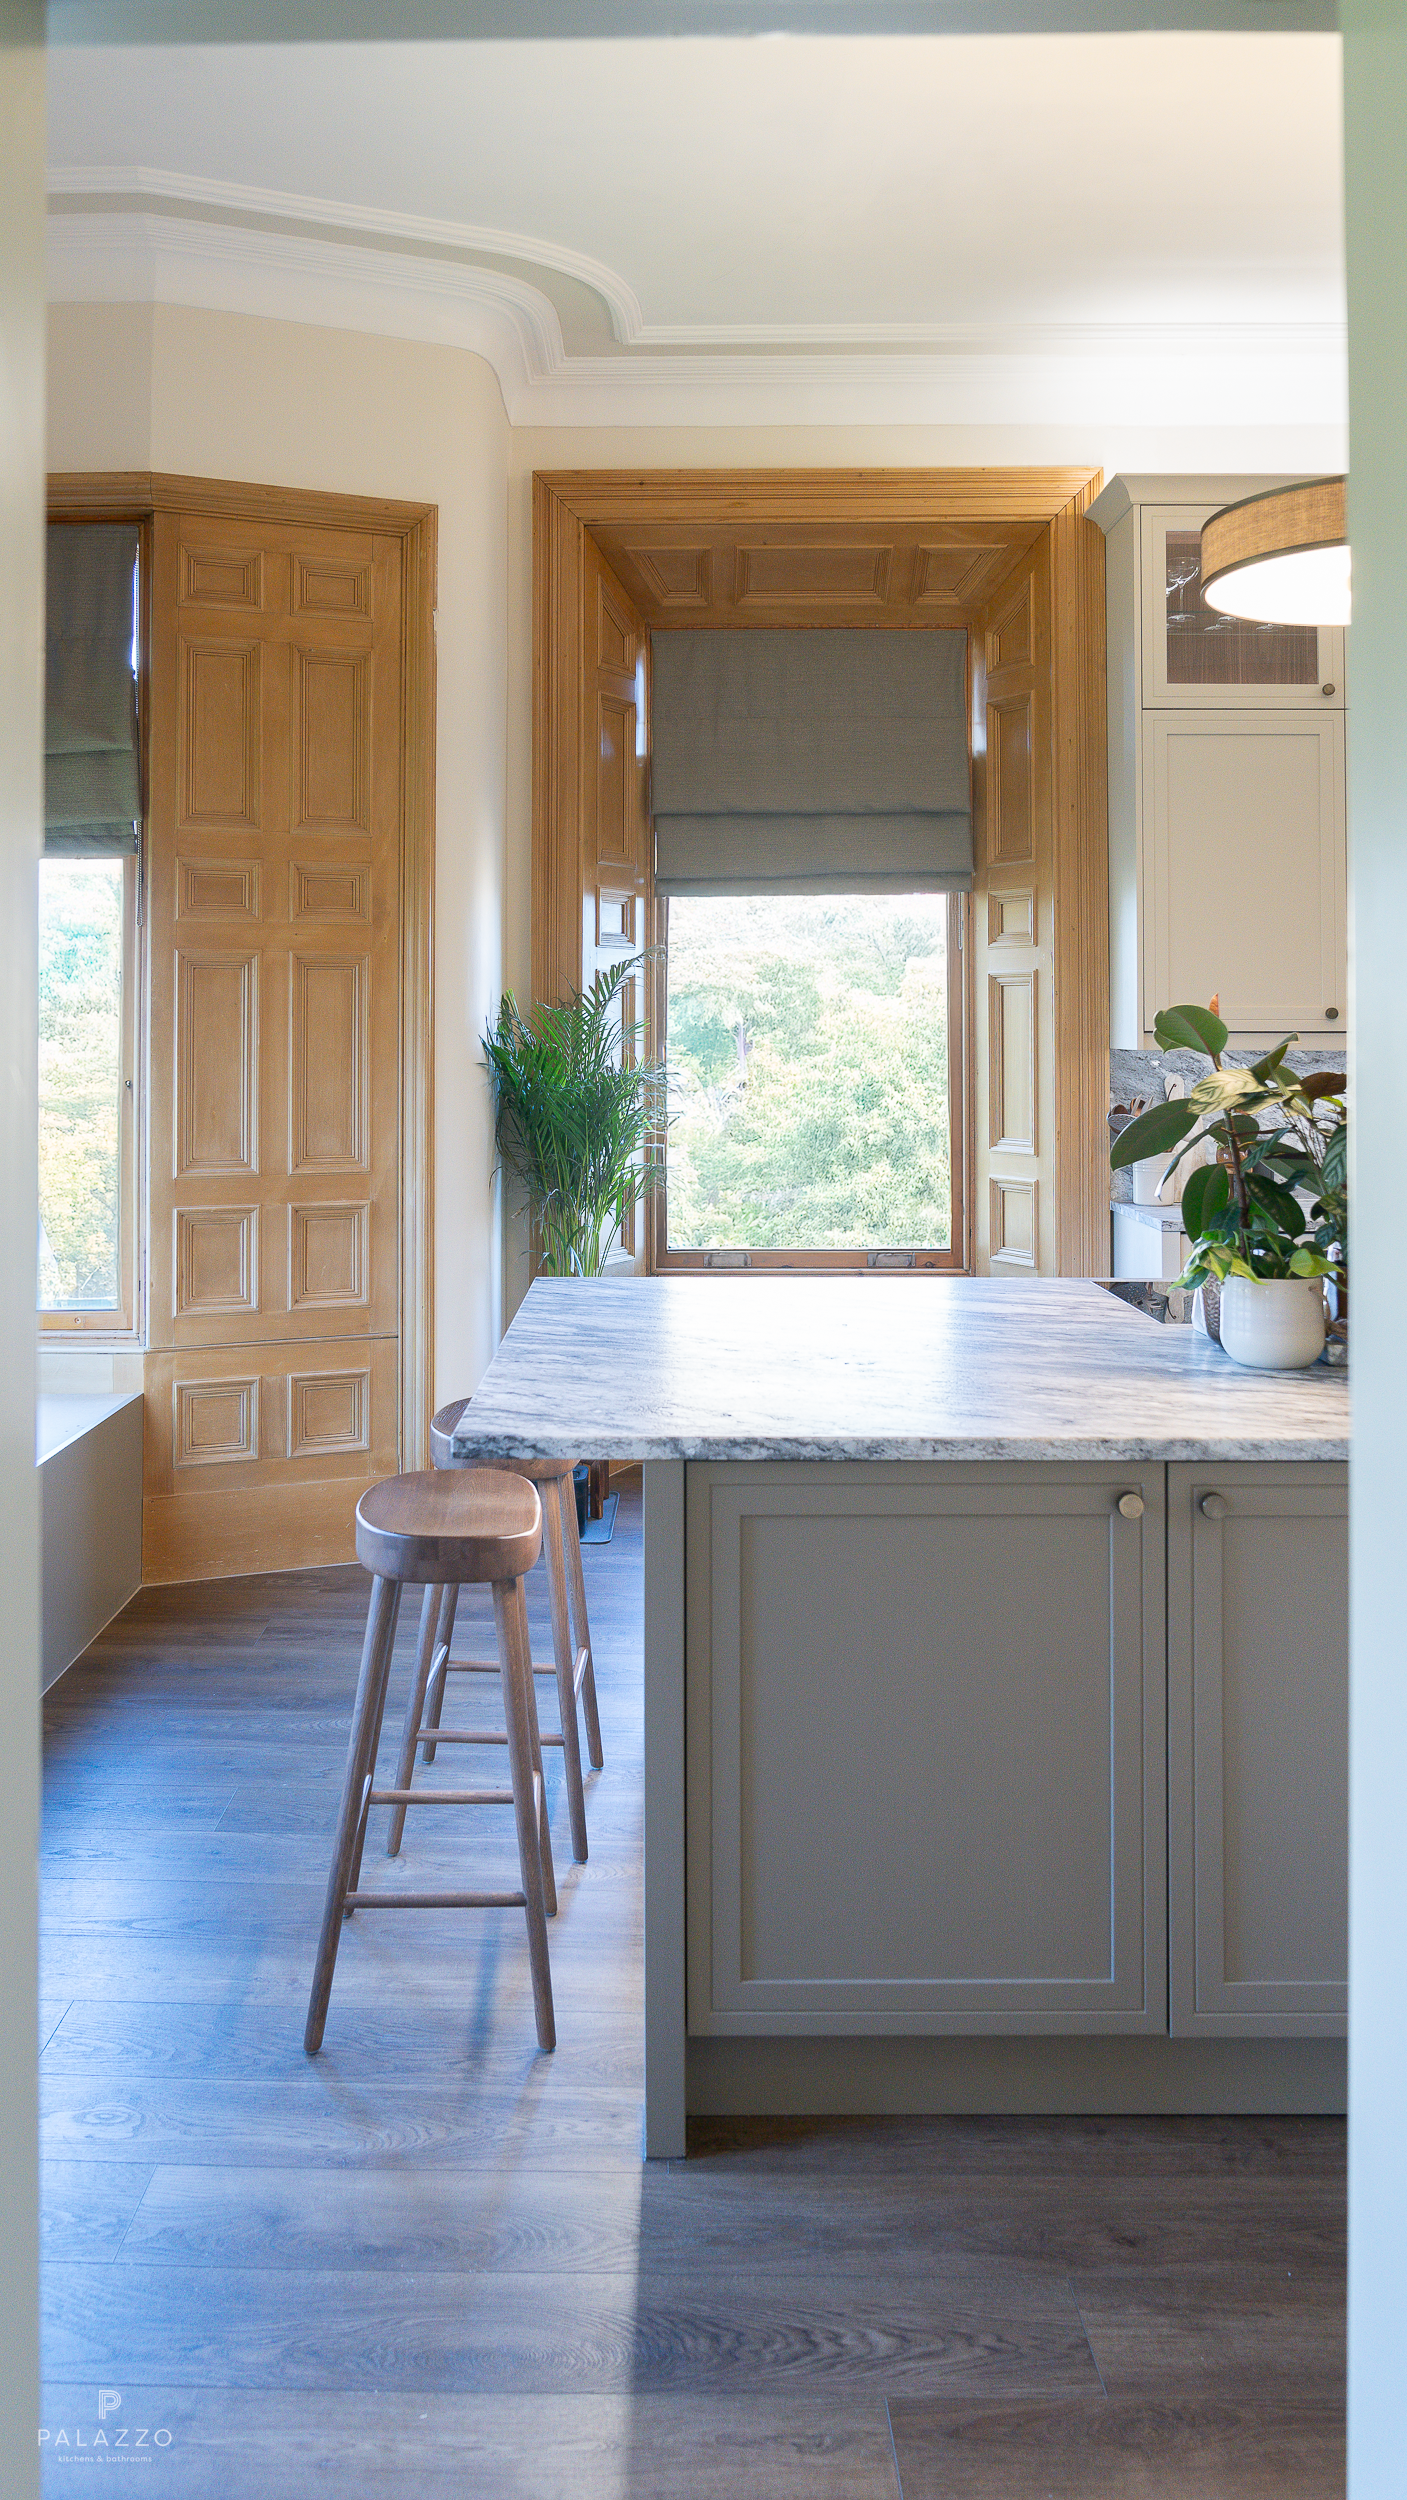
pixel 1375 75
pixel 21 571
pixel 228 395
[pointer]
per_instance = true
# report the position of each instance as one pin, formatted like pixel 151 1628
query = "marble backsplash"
pixel 1135 1073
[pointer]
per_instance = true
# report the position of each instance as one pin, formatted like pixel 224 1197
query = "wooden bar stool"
pixel 571 1642
pixel 439 1530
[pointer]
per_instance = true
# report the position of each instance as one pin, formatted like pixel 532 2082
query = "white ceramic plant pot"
pixel 1273 1325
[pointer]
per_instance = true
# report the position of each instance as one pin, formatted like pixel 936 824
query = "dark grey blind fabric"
pixel 92 777
pixel 811 763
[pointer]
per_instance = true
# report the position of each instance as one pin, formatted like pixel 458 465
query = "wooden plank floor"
pixel 431 2261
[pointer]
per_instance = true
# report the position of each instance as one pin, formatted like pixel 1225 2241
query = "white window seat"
pixel 88 1449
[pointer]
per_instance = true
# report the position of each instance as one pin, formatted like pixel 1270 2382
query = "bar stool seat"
pixel 573 1665
pixel 480 1526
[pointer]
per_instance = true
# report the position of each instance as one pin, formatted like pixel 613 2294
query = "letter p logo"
pixel 109 2401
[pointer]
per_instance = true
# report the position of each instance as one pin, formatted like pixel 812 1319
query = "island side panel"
pixel 664 1809
pixel 926 1755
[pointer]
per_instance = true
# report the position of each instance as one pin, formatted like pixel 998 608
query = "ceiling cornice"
pixel 137 234
pixel 245 205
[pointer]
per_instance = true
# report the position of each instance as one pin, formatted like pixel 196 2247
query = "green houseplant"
pixel 1274 1134
pixel 575 1109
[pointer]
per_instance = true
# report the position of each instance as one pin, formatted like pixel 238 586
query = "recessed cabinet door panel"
pixel 925 1753
pixel 1258 1748
pixel 1245 868
pixel 1196 657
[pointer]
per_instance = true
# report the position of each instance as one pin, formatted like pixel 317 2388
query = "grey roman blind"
pixel 811 763
pixel 92 778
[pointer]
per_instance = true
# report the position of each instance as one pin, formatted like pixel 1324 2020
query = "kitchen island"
pixel 995 1689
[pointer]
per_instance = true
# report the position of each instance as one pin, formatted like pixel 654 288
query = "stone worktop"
pixel 878 1367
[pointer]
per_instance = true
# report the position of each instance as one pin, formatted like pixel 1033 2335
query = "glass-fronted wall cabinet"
pixel 1195 656
pixel 1227 862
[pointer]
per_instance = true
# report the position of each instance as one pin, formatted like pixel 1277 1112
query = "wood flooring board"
pixel 239 2445
pixel 442 2219
pixel 541 2334
pixel 214 1856
pixel 337 2121
pixel 264 1938
pixel 296 2218
pixel 1058 2223
pixel 429 2044
pixel 1234 2332
pixel 1120 2451
pixel 96 1805
pixel 275 1970
pixel 1013 2147
pixel 86 2208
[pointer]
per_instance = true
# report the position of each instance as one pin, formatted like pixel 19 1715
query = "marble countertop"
pixel 878 1367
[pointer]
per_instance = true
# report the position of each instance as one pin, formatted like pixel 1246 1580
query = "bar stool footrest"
pixel 440 1797
pixel 480 1666
pixel 434 1901
pixel 477 1736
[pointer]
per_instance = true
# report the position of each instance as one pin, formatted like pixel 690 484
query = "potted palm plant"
pixel 1267 1218
pixel 576 1106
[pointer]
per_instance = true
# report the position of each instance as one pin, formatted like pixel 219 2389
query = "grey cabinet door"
pixel 925 1748
pixel 1258 1748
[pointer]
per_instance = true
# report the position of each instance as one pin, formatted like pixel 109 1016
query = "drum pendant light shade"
pixel 1281 558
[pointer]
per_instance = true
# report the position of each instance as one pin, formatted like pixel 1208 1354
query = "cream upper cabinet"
pixel 1227 799
pixel 1243 867
pixel 1195 657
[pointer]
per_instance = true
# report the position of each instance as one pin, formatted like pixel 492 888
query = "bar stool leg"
pixel 515 1668
pixel 361 1758
pixel 577 1584
pixel 562 1655
pixel 442 1641
pixel 427 1651
pixel 373 1749
pixel 544 1829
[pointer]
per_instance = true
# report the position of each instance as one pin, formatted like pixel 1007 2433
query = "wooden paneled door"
pixel 277 780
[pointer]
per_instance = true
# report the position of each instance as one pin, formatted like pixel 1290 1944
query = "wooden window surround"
pixel 619 555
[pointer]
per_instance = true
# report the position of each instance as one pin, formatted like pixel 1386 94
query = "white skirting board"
pixel 90 1493
pixel 1099 2076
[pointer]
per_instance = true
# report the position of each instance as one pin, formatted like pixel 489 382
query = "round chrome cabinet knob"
pixel 1213 1506
pixel 1130 1505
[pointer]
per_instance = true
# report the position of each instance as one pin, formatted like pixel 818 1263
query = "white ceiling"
pixel 878 224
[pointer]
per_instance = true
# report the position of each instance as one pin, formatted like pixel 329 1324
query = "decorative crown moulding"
pixel 123 234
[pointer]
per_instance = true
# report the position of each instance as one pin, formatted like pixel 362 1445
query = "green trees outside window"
pixel 808 1072
pixel 81 905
